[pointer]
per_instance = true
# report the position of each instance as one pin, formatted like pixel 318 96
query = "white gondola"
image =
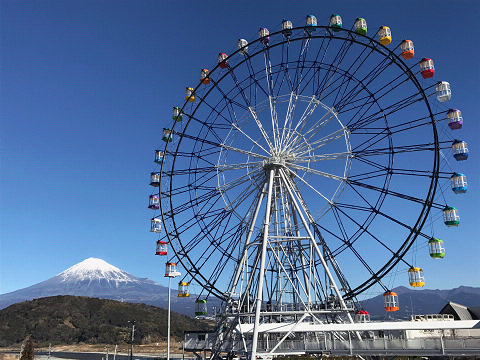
pixel 286 28
pixel 242 46
pixel 171 270
pixel 154 179
pixel 156 225
pixel 443 91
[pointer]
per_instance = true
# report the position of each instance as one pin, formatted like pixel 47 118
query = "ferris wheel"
pixel 304 166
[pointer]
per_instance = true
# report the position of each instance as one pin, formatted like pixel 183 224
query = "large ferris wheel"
pixel 301 170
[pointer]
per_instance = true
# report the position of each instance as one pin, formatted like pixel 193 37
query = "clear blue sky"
pixel 86 87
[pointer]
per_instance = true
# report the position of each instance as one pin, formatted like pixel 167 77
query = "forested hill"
pixel 75 319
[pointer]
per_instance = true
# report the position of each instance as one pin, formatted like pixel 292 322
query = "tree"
pixel 27 349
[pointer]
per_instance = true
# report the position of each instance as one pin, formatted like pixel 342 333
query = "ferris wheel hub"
pixel 274 162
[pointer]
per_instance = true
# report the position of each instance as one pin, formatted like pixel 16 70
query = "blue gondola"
pixel 459 183
pixel 460 150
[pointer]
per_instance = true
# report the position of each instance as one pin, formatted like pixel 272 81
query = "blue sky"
pixel 86 87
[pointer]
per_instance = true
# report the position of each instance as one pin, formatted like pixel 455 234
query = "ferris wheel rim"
pixel 375 45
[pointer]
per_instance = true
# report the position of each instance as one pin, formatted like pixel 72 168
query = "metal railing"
pixel 382 346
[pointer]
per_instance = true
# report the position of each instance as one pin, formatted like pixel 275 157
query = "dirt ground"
pixel 156 348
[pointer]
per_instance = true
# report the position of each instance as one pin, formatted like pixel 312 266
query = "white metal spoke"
pixel 318 172
pixel 245 152
pixel 249 138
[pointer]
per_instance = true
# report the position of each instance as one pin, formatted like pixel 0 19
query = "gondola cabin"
pixel 311 23
pixel 162 248
pixel 460 150
pixel 189 96
pixel 459 183
pixel 177 114
pixel 336 22
pixel 454 118
pixel 451 218
pixel 415 277
pixel 156 225
pixel 154 202
pixel 263 36
pixel 200 307
pixel 167 135
pixel 171 270
pixel 242 46
pixel 360 26
pixel 159 155
pixel 361 316
pixel 443 91
pixel 154 179
pixel 287 28
pixel 407 49
pixel 384 35
pixel 390 301
pixel 436 249
pixel 204 76
pixel 183 289
pixel 222 60
pixel 427 70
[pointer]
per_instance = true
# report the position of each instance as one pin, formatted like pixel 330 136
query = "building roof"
pixel 461 312
pixel 475 311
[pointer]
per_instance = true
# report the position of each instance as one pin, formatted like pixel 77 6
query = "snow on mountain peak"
pixel 93 269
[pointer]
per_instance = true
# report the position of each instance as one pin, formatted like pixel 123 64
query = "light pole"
pixel 170 272
pixel 133 332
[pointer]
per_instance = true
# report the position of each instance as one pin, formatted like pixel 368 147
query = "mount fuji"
pixel 97 278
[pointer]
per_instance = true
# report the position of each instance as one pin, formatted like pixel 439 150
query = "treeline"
pixel 79 319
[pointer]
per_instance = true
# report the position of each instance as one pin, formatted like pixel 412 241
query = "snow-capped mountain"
pixel 96 270
pixel 97 278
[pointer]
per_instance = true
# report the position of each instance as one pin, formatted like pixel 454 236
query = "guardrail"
pixel 385 346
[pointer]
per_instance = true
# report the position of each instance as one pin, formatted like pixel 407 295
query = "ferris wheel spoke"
pixel 314 145
pixel 365 230
pixel 251 164
pixel 261 129
pixel 300 64
pixel 242 197
pixel 288 118
pixel 312 105
pixel 206 197
pixel 333 68
pixel 297 138
pixel 271 100
pixel 317 172
pixel 311 187
pixel 400 105
pixel 229 99
pixel 395 129
pixel 244 152
pixel 378 93
pixel 211 224
pixel 240 181
pixel 386 191
pixel 348 243
pixel 256 81
pixel 322 157
pixel 368 152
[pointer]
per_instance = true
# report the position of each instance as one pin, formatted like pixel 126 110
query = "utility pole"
pixel 133 332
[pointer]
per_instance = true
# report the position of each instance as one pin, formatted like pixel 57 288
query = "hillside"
pixel 77 319
pixel 97 278
pixel 423 301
